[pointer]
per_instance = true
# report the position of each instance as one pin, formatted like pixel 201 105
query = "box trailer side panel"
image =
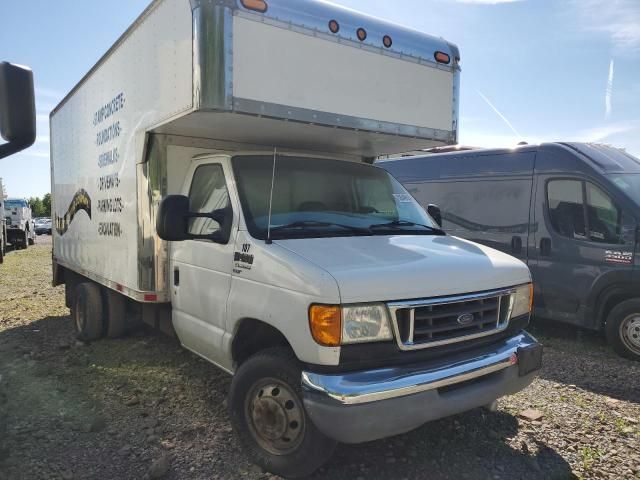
pixel 98 136
pixel 398 91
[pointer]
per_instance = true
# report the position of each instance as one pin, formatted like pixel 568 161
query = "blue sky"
pixel 533 70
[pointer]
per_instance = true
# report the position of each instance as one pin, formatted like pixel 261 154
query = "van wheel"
pixel 115 306
pixel 25 241
pixel 623 329
pixel 32 241
pixel 267 413
pixel 87 312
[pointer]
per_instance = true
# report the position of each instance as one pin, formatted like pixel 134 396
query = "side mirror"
pixel 175 223
pixel 435 213
pixel 17 108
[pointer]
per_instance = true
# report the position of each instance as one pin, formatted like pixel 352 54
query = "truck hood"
pixel 388 268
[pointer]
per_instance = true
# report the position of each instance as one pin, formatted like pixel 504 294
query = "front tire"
pixel 623 329
pixel 267 413
pixel 88 312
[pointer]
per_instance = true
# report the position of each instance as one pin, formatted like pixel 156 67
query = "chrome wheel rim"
pixel 630 332
pixel 275 416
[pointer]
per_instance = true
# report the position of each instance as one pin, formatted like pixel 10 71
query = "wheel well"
pixel 610 301
pixel 253 336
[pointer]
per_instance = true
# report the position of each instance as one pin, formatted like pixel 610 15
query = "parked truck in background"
pixel 213 173
pixel 21 231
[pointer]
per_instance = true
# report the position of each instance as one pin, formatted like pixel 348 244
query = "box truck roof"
pixel 302 74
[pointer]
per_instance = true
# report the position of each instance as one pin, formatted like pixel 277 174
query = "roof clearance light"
pixel 334 26
pixel 442 57
pixel 362 34
pixel 256 5
pixel 387 41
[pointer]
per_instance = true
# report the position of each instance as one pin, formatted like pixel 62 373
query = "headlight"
pixel 522 300
pixel 334 325
pixel 365 323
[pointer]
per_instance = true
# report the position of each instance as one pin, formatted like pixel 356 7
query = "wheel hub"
pixel 630 330
pixel 276 417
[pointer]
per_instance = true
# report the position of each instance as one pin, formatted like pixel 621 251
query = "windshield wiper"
pixel 399 224
pixel 316 224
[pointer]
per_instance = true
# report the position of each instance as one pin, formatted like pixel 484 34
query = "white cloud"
pixel 601 133
pixel 608 93
pixel 619 19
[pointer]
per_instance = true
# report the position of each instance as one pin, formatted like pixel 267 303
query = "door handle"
pixel 176 276
pixel 545 247
pixel 516 245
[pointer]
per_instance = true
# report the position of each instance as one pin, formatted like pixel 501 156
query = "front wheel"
pixel 267 413
pixel 623 329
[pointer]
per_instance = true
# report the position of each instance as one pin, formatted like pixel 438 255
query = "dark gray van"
pixel 571 211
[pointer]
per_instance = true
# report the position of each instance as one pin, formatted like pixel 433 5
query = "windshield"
pixel 319 198
pixel 629 184
pixel 14 204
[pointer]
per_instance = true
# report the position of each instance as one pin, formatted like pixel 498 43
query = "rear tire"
pixel 88 312
pixel 267 413
pixel 115 314
pixel 623 329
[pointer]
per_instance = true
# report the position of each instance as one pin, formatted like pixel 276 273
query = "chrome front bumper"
pixel 361 406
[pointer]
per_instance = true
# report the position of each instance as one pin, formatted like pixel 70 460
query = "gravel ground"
pixel 142 407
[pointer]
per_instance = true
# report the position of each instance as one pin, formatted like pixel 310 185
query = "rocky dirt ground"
pixel 142 407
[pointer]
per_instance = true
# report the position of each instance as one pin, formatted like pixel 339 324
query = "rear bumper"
pixel 362 406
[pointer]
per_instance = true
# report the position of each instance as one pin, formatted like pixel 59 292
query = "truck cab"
pixel 334 261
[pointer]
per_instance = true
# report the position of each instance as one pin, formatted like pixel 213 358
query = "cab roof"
pixel 603 158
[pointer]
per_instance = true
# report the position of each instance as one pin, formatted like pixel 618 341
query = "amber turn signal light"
pixel 530 297
pixel 325 322
pixel 442 57
pixel 256 5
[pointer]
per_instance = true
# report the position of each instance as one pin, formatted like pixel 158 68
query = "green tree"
pixel 46 205
pixel 37 207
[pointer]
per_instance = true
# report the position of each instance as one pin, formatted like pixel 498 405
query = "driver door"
pixel 201 270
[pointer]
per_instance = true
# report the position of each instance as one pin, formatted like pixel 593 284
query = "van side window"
pixel 207 194
pixel 603 216
pixel 582 211
pixel 566 208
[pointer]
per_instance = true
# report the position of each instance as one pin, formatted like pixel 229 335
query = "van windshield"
pixel 315 197
pixel 629 184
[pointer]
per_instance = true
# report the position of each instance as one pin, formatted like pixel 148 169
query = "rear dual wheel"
pixel 268 415
pixel 97 314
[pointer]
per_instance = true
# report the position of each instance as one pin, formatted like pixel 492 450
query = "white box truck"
pixel 213 172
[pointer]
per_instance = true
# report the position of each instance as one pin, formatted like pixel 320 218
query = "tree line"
pixel 41 207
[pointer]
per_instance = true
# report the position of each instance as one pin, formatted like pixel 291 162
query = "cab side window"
pixel 207 194
pixel 580 210
pixel 566 208
pixel 603 217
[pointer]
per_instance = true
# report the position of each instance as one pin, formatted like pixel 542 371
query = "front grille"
pixel 440 321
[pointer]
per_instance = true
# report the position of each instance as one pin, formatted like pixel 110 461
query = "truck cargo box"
pixel 302 75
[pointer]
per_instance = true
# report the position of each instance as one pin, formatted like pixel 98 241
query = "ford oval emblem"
pixel 466 318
